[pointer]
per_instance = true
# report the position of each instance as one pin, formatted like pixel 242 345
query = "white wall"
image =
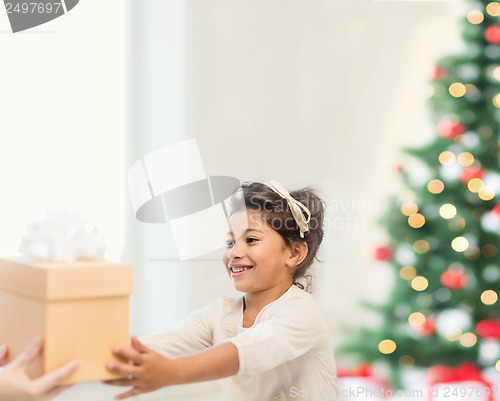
pixel 62 122
pixel 321 93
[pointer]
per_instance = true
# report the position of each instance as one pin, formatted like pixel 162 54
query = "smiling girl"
pixel 271 343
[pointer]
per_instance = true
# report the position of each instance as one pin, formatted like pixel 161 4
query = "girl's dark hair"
pixel 276 212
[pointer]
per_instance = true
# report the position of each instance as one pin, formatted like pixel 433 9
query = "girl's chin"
pixel 241 287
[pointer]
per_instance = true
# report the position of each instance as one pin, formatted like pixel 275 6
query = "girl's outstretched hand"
pixel 146 370
pixel 16 385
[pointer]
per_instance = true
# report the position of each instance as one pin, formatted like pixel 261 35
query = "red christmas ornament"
pixel 438 73
pixel 492 34
pixel 383 253
pixel 468 173
pixel 496 211
pixel 428 328
pixel 454 280
pixel 362 370
pixel 450 129
pixel 489 328
pixel 466 371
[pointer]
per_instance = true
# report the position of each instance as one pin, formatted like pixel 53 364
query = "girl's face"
pixel 255 256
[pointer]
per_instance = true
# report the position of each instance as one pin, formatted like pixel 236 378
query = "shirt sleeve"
pixel 194 333
pixel 291 332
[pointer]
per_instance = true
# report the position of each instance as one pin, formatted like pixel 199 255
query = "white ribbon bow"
pixel 295 206
pixel 61 237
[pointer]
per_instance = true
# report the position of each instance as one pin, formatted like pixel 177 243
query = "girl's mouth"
pixel 237 271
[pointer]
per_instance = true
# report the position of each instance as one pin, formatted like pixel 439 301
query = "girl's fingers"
pixel 122 369
pixel 128 354
pixel 122 382
pixel 52 379
pixel 29 354
pixel 138 345
pixel 129 393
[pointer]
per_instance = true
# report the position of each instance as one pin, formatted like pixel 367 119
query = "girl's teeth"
pixel 239 269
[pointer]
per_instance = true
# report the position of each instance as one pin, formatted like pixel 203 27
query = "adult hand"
pixel 146 371
pixel 16 385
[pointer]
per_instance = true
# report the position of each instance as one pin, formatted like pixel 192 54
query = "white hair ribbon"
pixel 295 206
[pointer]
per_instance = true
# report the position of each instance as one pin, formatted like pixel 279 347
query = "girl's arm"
pixel 149 371
pixel 194 333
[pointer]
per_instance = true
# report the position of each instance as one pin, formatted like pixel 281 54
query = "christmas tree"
pixel 444 225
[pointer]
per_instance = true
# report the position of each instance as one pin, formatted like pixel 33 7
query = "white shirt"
pixel 286 354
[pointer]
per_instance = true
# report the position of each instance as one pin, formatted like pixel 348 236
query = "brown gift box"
pixel 80 309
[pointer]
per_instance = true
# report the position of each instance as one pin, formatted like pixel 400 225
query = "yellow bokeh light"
pixel 472 253
pixel 406 361
pixel 435 186
pixel 419 283
pixel 457 224
pixel 489 250
pixel 475 184
pixel 496 73
pixel 468 340
pixel 496 101
pixel 416 319
pixel 457 89
pixel 453 334
pixel 489 297
pixel 407 272
pixel 421 246
pixel 409 208
pixel 493 9
pixel 406 195
pixel 448 211
pixel 447 158
pixel 471 90
pixel 475 17
pixel 497 365
pixel 387 346
pixel 416 220
pixel 429 91
pixel 465 159
pixel 460 244
pixel 485 132
pixel 486 193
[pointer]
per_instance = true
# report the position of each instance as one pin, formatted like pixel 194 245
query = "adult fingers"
pixel 53 393
pixel 50 380
pixel 3 353
pixel 29 354
pixel 128 354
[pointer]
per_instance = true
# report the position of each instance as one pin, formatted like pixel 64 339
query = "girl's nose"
pixel 236 250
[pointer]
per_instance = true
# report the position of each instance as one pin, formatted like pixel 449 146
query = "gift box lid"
pixel 65 280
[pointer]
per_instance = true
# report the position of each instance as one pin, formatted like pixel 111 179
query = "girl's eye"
pixel 229 242
pixel 252 240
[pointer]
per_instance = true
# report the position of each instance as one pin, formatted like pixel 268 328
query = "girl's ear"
pixel 298 252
